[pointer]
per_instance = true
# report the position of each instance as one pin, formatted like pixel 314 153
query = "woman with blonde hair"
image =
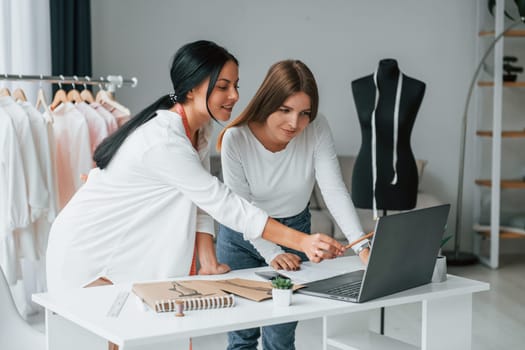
pixel 271 155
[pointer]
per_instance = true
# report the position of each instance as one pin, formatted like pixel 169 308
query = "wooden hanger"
pixel 41 101
pixel 86 94
pixel 73 95
pixel 19 95
pixel 5 92
pixel 59 98
pixel 104 96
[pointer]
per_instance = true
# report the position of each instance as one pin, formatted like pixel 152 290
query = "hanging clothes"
pixel 14 209
pixel 109 118
pixel 36 190
pixel 97 127
pixel 73 150
pixel 42 133
pixel 43 155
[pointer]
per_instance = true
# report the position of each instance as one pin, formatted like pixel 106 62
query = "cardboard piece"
pixel 249 289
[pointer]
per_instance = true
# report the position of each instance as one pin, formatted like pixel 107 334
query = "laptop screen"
pixel 404 251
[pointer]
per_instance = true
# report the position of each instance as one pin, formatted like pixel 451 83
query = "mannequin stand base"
pixel 460 258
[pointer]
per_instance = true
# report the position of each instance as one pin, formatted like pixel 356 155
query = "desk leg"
pixel 447 323
pixel 65 335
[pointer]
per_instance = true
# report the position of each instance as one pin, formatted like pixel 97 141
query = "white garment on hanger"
pixel 73 150
pixel 41 227
pixel 44 142
pixel 14 209
pixel 38 196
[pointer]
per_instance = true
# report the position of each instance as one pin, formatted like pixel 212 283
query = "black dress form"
pixel 403 194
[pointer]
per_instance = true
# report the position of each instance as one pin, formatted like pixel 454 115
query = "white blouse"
pixel 282 182
pixel 137 218
pixel 14 206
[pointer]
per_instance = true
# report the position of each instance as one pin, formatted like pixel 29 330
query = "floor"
pixel 498 314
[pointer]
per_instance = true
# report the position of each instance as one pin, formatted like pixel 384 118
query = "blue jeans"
pixel 233 250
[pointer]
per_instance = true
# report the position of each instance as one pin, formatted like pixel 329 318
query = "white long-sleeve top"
pixel 14 206
pixel 44 143
pixel 137 218
pixel 37 194
pixel 281 183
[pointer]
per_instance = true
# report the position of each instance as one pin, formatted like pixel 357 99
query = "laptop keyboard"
pixel 350 289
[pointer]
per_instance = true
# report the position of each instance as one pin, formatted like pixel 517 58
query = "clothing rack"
pixel 111 82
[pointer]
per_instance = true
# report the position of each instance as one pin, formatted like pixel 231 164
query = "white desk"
pixel 77 318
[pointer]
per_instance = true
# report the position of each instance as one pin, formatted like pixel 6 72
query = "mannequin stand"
pixel 382 311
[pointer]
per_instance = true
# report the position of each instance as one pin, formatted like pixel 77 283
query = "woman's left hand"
pixel 207 258
pixel 286 261
pixel 214 270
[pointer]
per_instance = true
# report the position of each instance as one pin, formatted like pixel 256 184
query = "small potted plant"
pixel 440 269
pixel 282 291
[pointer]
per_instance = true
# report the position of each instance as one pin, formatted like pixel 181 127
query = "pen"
pixel 368 235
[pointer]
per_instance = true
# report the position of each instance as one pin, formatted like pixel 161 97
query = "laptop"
pixel 402 256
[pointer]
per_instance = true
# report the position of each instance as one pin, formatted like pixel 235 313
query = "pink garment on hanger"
pixel 121 117
pixel 72 152
pixel 111 120
pixel 98 129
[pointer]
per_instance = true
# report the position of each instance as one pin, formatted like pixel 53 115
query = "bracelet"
pixel 361 248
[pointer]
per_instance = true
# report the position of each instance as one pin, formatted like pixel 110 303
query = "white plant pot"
pixel 440 269
pixel 282 297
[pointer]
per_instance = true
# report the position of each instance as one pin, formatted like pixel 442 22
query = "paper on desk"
pixel 310 272
pixel 253 290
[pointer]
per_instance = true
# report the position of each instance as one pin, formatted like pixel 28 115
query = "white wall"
pixel 340 40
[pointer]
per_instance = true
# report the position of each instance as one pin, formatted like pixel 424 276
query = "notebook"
pixel 195 295
pixel 402 256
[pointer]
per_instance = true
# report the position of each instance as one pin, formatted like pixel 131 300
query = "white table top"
pixel 87 307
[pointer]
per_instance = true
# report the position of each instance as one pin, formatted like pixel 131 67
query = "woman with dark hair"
pixel 143 213
pixel 271 155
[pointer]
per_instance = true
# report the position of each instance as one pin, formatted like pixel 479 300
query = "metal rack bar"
pixel 113 80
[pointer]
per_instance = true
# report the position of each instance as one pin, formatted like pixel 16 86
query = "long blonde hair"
pixel 283 79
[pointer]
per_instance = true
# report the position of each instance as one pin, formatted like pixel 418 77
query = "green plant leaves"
pixel 282 283
pixel 445 240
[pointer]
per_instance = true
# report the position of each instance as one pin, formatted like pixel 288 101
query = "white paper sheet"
pixel 310 272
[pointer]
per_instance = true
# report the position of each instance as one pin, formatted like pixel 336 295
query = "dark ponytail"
pixel 192 64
